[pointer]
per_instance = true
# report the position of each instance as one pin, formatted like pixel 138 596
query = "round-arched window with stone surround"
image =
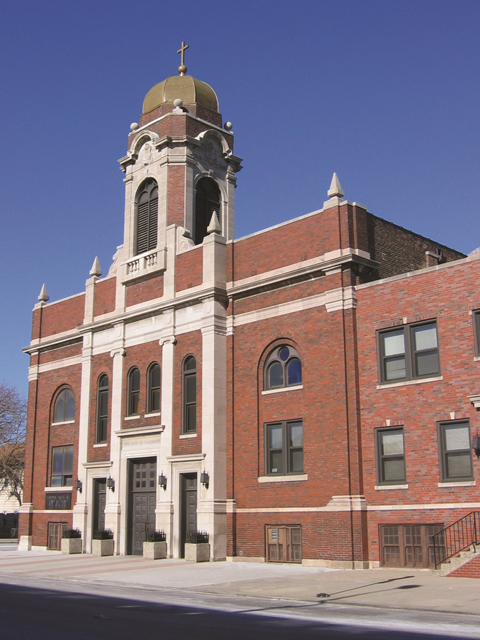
pixel 146 216
pixel 283 368
pixel 207 201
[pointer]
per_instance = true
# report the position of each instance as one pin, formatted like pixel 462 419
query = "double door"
pixel 143 498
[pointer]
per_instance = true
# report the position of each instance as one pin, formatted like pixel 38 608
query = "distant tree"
pixel 13 414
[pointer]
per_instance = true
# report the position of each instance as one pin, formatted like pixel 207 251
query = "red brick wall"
pixel 104 296
pixel 102 363
pixel 189 269
pixel 62 352
pixel 470 569
pixel 141 356
pixel 176 195
pixel 187 344
pixel 148 289
pixel 63 315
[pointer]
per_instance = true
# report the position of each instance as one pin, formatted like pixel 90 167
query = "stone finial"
pixel 335 188
pixel 214 226
pixel 95 270
pixel 43 297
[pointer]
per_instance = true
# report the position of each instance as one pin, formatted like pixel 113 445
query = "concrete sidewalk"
pixel 414 590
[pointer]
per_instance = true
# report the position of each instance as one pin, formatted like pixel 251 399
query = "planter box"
pixel 102 547
pixel 154 550
pixel 71 545
pixel 197 552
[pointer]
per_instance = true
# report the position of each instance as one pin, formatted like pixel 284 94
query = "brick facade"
pixel 323 286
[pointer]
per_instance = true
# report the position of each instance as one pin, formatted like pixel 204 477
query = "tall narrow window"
pixel 147 216
pixel 284 450
pixel 455 451
pixel 153 388
pixel 102 409
pixel 206 202
pixel 390 456
pixel 64 410
pixel 133 394
pixel 189 374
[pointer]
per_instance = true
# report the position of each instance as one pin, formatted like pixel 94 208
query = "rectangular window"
pixel 455 451
pixel 476 331
pixel 284 450
pixel 62 466
pixel 390 456
pixel 408 353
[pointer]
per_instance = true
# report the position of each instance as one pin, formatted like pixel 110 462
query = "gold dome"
pixel 186 88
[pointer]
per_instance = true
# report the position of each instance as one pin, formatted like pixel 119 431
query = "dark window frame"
pixel 476 331
pixel 133 392
pixel 101 422
pixel 152 389
pixel 285 450
pixel 275 359
pixel 410 353
pixel 146 217
pixel 381 457
pixel 446 454
pixel 66 473
pixel 61 396
pixel 187 375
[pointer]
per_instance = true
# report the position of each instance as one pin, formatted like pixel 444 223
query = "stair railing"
pixel 457 537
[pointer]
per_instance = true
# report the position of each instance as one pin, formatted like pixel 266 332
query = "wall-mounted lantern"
pixel 204 479
pixel 78 485
pixel 111 484
pixel 162 481
pixel 476 445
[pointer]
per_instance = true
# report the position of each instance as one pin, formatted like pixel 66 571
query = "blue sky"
pixel 385 93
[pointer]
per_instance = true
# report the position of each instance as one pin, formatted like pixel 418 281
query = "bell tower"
pixel 180 167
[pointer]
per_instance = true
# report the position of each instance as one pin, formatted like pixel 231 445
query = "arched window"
pixel 102 409
pixel 64 410
pixel 207 201
pixel 153 388
pixel 283 368
pixel 189 395
pixel 146 216
pixel 133 393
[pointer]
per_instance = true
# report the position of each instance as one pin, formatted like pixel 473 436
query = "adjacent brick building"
pixel 293 393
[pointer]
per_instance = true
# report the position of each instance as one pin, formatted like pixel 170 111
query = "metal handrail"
pixel 457 537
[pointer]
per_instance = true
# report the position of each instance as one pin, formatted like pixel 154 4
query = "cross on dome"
pixel 182 69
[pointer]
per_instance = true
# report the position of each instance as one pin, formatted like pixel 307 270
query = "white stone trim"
pixel 296 387
pixel 408 383
pixel 55 364
pixel 99 445
pixel 187 457
pixel 449 485
pixel 56 424
pixel 383 487
pixel 183 436
pixel 98 465
pixel 299 478
pixel 424 507
pixel 58 489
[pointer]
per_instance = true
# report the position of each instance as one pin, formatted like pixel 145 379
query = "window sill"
pixel 187 435
pixel 406 383
pixel 295 387
pixel 384 487
pixel 56 424
pixel 462 483
pixel 57 489
pixel 99 444
pixel 299 478
pixel 153 415
pixel 135 417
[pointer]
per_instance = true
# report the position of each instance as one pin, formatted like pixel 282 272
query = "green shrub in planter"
pixel 71 541
pixel 103 534
pixel 197 548
pixel 197 537
pixel 156 536
pixel 71 533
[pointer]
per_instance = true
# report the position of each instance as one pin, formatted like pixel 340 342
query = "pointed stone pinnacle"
pixel 335 188
pixel 43 297
pixel 214 226
pixel 95 270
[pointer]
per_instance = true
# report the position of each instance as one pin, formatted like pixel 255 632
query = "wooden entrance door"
pixel 55 530
pixel 99 502
pixel 188 522
pixel 143 498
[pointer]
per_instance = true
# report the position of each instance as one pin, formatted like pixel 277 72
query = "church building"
pixel 307 393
